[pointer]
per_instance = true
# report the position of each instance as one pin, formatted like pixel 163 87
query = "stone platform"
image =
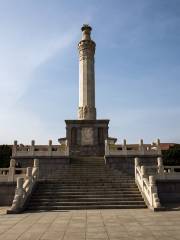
pixel 87 137
pixel 90 225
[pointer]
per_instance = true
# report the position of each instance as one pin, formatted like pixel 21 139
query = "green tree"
pixel 172 155
pixel 5 154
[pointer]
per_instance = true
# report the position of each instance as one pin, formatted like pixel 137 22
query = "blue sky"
pixel 137 67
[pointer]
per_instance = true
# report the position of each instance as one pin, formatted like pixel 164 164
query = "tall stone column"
pixel 86 47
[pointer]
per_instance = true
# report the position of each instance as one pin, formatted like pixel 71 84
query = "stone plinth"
pixel 86 137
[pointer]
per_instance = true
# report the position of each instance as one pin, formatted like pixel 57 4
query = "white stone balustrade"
pixel 147 185
pixel 12 173
pixel 146 177
pixel 24 188
pixel 112 149
pixel 34 150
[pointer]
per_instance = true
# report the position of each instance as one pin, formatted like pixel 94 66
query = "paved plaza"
pixel 91 224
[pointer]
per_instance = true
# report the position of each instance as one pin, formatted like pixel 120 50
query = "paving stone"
pixel 91 225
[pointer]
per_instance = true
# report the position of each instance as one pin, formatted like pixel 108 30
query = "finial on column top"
pixel 86 32
pixel 86 27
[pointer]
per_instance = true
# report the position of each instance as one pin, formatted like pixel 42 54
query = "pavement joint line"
pixel 15 224
pixel 30 226
pixel 102 218
pixel 86 226
pixel 67 225
pixel 50 224
pixel 165 225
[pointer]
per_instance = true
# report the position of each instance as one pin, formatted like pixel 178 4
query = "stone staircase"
pixel 87 183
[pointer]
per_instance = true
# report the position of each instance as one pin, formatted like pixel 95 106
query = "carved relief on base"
pixel 87 112
pixel 87 136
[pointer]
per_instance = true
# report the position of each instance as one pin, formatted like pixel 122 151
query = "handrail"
pixel 10 174
pixel 24 188
pixel 40 150
pixel 147 185
pixel 112 149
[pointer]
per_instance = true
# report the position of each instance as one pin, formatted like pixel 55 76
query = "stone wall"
pixel 47 165
pixel 168 191
pixel 126 163
pixel 7 190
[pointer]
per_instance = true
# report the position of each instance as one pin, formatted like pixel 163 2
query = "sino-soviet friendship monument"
pixel 87 169
pixel 86 136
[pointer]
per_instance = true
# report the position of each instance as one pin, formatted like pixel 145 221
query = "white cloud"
pixel 17 64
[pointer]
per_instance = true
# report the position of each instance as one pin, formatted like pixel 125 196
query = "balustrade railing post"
pixel 20 182
pixel 143 171
pixel 151 184
pixel 106 147
pixel 158 144
pixel 153 191
pixel 50 148
pixel 14 148
pixel 124 147
pixel 160 165
pixel 141 147
pixel 67 148
pixel 32 148
pixel 28 172
pixel 137 164
pixel 35 170
pixel 36 163
pixel 11 170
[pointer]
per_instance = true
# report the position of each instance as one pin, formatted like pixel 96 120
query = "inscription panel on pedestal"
pixel 87 136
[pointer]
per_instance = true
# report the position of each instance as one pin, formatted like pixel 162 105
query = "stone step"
pixel 97 179
pixel 86 169
pixel 89 184
pixel 87 194
pixel 94 192
pixel 85 190
pixel 62 208
pixel 80 177
pixel 99 186
pixel 55 199
pixel 79 173
pixel 86 184
pixel 77 203
pixel 90 181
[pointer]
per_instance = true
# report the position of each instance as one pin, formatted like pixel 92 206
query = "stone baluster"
pixel 32 148
pixel 35 170
pixel 20 182
pixel 28 178
pixel 137 164
pixel 36 163
pixel 124 147
pixel 141 147
pixel 28 172
pixel 158 144
pixel 50 148
pixel 14 148
pixel 160 165
pixel 67 147
pixel 143 171
pixel 155 203
pixel 106 147
pixel 18 198
pixel 12 170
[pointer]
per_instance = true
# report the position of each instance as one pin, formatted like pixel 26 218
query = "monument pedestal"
pixel 86 137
